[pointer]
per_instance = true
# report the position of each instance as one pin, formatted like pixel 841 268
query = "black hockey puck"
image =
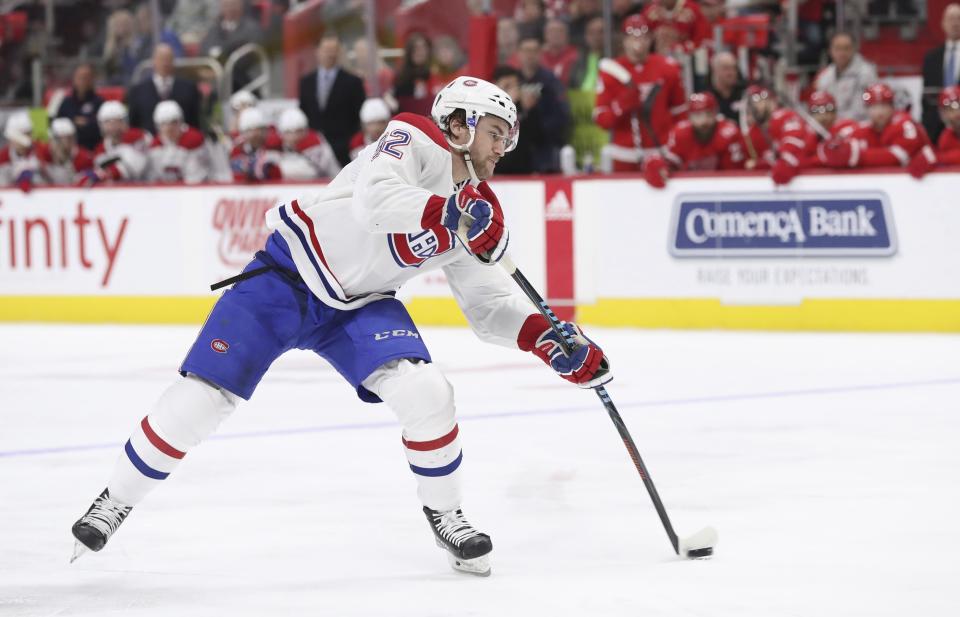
pixel 700 553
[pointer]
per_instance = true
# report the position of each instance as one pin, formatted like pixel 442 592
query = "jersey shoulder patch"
pixel 191 139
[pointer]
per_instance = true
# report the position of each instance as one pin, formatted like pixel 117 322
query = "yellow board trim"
pixel 863 315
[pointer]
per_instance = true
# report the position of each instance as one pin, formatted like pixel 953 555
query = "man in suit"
pixel 162 86
pixel 941 68
pixel 331 98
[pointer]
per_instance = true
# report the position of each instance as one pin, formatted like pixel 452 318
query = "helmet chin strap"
pixel 464 149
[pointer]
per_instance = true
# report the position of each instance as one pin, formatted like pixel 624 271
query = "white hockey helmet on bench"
pixel 477 98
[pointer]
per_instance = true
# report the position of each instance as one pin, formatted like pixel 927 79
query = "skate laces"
pixel 453 526
pixel 105 515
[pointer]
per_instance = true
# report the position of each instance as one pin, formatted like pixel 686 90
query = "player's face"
pixel 703 123
pixel 488 145
pixel 762 108
pixel 951 117
pixel 636 48
pixel 256 137
pixel 112 128
pixel 290 138
pixel 64 144
pixel 825 118
pixel 170 131
pixel 880 114
pixel 373 130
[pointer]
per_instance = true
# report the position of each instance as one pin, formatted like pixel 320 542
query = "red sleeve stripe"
pixel 159 443
pixel 434 444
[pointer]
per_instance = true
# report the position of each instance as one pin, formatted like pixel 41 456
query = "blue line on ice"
pixel 593 406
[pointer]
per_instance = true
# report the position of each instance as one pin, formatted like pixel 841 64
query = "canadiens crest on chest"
pixel 411 250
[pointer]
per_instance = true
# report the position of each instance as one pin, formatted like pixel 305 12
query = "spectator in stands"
pixel 714 11
pixel 519 161
pixel 179 152
pixel 120 51
pixel 558 54
pixel 19 165
pixel 677 25
pixel 374 116
pixel 162 86
pixel 414 84
pixel 583 72
pixel 887 139
pixel 122 155
pixel 508 37
pixel 582 12
pixel 941 68
pixel 81 106
pixel 776 138
pixel 331 98
pixel 361 66
pixel 705 141
pixel 144 35
pixel 229 32
pixel 542 95
pixel 726 85
pixel 531 21
pixel 306 155
pixel 640 97
pixel 846 77
pixel 63 162
pixel 448 60
pixel 253 159
pixel 190 20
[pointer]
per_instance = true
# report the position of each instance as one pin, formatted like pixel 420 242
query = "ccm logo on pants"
pixel 380 336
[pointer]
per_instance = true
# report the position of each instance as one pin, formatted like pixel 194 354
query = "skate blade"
pixel 78 550
pixel 478 566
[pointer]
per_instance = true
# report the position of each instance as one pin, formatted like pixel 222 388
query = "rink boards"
pixel 831 252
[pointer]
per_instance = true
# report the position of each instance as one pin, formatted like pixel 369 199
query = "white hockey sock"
pixel 186 413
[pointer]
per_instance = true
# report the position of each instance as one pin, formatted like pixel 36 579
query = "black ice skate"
pixel 468 550
pixel 99 523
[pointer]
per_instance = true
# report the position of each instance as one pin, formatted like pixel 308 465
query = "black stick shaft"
pixel 567 344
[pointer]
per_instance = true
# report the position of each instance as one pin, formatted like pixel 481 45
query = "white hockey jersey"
pixel 188 160
pixel 363 235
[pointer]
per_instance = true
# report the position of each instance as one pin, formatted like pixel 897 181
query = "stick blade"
pixel 700 545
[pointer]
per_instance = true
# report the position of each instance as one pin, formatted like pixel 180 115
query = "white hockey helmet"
pixel 242 99
pixel 252 118
pixel 62 127
pixel 19 129
pixel 477 98
pixel 112 110
pixel 374 110
pixel 167 111
pixel 292 120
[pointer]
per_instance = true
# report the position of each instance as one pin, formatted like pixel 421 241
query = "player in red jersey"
pixel 948 146
pixel 776 138
pixel 640 97
pixel 705 141
pixel 822 108
pixel 62 161
pixel 679 24
pixel 888 138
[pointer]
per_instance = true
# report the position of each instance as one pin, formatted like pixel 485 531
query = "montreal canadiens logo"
pixel 411 250
pixel 470 82
pixel 219 345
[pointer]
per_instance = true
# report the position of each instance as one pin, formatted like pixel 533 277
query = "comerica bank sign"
pixel 789 224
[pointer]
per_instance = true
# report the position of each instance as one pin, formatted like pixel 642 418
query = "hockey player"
pixel 822 108
pixel 374 115
pixel 705 141
pixel 63 162
pixel 122 155
pixel 679 25
pixel 776 137
pixel 19 165
pixel 639 98
pixel 255 157
pixel 306 155
pixel 179 152
pixel 887 138
pixel 948 146
pixel 326 281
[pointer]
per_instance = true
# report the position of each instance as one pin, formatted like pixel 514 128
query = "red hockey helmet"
pixel 636 25
pixel 758 92
pixel 878 94
pixel 950 97
pixel 702 101
pixel 821 102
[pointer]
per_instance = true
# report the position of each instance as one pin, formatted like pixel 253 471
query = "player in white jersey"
pixel 326 281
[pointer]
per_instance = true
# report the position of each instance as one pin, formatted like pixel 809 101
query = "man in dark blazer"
pixel 941 68
pixel 331 98
pixel 81 106
pixel 162 86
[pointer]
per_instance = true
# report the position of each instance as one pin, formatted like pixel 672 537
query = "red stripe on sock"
pixel 434 444
pixel 158 443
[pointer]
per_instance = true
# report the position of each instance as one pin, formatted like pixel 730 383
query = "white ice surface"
pixel 828 464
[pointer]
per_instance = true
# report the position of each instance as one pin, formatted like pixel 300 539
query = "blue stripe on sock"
pixel 142 467
pixel 434 472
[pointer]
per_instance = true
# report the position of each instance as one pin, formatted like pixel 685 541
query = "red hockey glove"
pixel 783 172
pixel 922 163
pixel 587 367
pixel 626 101
pixel 486 233
pixel 24 181
pixel 655 171
pixel 839 153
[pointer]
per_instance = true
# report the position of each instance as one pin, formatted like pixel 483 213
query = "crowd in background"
pixel 578 110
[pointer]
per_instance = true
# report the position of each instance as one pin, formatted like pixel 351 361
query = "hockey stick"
pixel 646 110
pixel 699 545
